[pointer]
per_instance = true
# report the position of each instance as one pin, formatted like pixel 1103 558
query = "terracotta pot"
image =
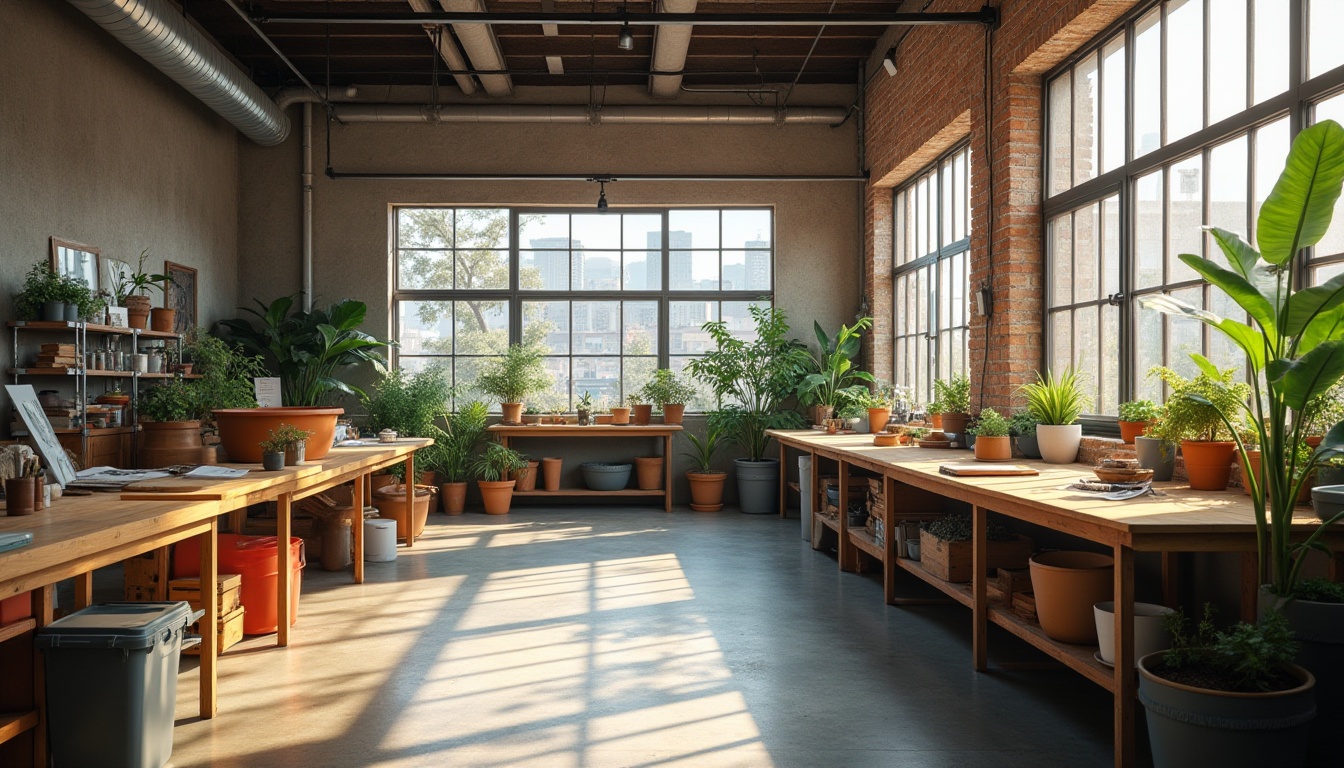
pixel 380 481
pixel 649 472
pixel 878 418
pixel 511 413
pixel 19 496
pixel 391 503
pixel 497 495
pixel 1208 464
pixel 673 412
pixel 550 473
pixel 1254 457
pixel 185 368
pixel 602 418
pixel 820 413
pixel 1067 585
pixel 241 430
pixel 164 443
pixel 454 498
pixel 620 415
pixel 162 319
pixel 526 479
pixel 137 311
pixel 642 414
pixel 993 448
pixel 113 399
pixel 1132 429
pixel 955 422
pixel 936 420
pixel 1315 441
pixel 707 490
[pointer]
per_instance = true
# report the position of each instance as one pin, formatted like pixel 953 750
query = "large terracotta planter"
pixel 137 311
pixel 526 479
pixel 956 422
pixel 454 498
pixel 1208 464
pixel 497 495
pixel 707 490
pixel 511 413
pixel 649 472
pixel 162 319
pixel 878 418
pixel 550 473
pixel 642 414
pixel 993 448
pixel 673 412
pixel 1132 429
pixel 391 503
pixel 1067 585
pixel 165 443
pixel 241 430
pixel 620 415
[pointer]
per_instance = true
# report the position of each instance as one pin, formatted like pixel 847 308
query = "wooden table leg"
pixel 84 589
pixel 1250 586
pixel 1125 691
pixel 43 612
pixel 209 604
pixel 283 527
pixel 667 472
pixel 979 576
pixel 410 500
pixel 888 541
pixel 357 498
pixel 1171 579
pixel 783 481
pixel 162 565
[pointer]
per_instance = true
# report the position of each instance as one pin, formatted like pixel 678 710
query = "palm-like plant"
pixel 1057 400
pixel 832 378
pixel 452 451
pixel 497 463
pixel 1294 343
pixel 702 458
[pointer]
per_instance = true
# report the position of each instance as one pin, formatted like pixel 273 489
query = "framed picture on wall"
pixel 71 259
pixel 181 295
pixel 111 273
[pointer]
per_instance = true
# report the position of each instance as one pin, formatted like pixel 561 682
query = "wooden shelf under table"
pixel 869 544
pixel 586 492
pixel 15 723
pixel 11 631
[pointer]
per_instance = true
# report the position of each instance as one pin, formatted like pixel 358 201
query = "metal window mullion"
pixel 1204 33
pixel 1162 79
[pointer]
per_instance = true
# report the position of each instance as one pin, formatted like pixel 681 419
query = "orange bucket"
pixel 257 559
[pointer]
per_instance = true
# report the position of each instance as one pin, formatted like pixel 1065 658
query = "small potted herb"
pixel 1194 418
pixel 133 289
pixel 291 440
pixel 585 408
pixel 1022 426
pixel 954 401
pixel 272 453
pixel 669 393
pixel 43 295
pixel 1136 416
pixel 992 442
pixel 641 413
pixel 519 373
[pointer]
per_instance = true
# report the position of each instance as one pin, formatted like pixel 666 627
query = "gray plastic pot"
pixel 758 486
pixel 1156 455
pixel 1027 445
pixel 1318 629
pixel 1192 726
pixel 601 476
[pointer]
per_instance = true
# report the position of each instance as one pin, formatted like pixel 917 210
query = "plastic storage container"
pixel 257 559
pixel 601 476
pixel 805 503
pixel 380 540
pixel 111 682
pixel 1327 500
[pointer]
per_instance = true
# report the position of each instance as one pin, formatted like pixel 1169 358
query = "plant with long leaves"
pixel 307 348
pixel 752 378
pixel 702 458
pixel 519 373
pixel 453 449
pixel 1056 400
pixel 832 378
pixel 497 463
pixel 1294 343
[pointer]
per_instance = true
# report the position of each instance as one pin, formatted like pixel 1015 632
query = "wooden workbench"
pixel 552 431
pixel 1182 520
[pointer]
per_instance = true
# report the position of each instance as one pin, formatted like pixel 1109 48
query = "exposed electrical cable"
pixel 806 59
pixel 989 200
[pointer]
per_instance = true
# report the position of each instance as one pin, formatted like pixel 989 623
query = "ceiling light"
pixel 625 41
pixel 602 196
pixel 889 62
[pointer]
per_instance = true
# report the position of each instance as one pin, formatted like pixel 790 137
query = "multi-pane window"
pixel 1178 118
pixel 932 241
pixel 608 297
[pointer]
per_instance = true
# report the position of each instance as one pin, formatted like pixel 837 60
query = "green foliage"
pixel 408 403
pixel 226 372
pixel 702 457
pixel 139 281
pixel 517 374
pixel 40 286
pixel 1196 406
pixel 1324 410
pixel 174 400
pixel 308 349
pixel 585 403
pixel 831 377
pixel 990 424
pixel 665 387
pixel 283 438
pixel 1250 657
pixel 953 395
pixel 1056 400
pixel 751 378
pixel 1140 410
pixel 496 463
pixel 1320 591
pixel 452 451
pixel 958 527
pixel 633 399
pixel 1022 424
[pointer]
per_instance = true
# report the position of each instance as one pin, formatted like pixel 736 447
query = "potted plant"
pixel 751 378
pixel 584 409
pixel 1194 419
pixel 42 297
pixel 494 468
pixel 1056 403
pixel 170 424
pixel 132 292
pixel 946 547
pixel 1022 426
pixel 1227 698
pixel 831 378
pixel 519 373
pixel 1156 453
pixel 992 442
pixel 934 410
pixel 409 404
pixel 273 452
pixel 879 403
pixel 451 454
pixel 1136 416
pixel 620 415
pixel 641 413
pixel 706 482
pixel 79 303
pixel 667 391
pixel 954 403
pixel 291 441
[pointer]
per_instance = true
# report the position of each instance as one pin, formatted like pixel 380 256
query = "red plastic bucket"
pixel 257 559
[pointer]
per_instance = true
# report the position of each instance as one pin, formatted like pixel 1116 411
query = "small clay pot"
pixel 272 461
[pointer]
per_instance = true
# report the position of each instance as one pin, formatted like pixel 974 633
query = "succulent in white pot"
pixel 1057 402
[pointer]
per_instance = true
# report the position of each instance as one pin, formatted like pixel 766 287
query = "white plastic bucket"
pixel 380 540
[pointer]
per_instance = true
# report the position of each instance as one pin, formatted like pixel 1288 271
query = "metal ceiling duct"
pixel 670 44
pixel 481 46
pixel 615 115
pixel 159 34
pixel 447 49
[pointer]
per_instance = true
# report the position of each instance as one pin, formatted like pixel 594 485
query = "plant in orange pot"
pixel 519 373
pixel 1136 416
pixel 1194 419
pixel 132 291
pixel 451 454
pixel 992 442
pixel 669 393
pixel 494 470
pixel 706 482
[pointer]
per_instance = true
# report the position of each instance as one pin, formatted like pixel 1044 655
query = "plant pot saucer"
pixel 1102 661
pixel 935 443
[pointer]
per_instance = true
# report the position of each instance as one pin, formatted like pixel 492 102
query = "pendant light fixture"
pixel 602 196
pixel 625 41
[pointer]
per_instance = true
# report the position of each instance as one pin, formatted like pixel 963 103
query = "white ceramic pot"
pixel 1149 634
pixel 1059 443
pixel 140 363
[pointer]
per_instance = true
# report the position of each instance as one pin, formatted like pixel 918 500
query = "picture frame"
pixel 45 442
pixel 111 273
pixel 118 317
pixel 180 294
pixel 71 259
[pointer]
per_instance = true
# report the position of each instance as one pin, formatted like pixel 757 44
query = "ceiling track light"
pixel 889 62
pixel 602 196
pixel 625 41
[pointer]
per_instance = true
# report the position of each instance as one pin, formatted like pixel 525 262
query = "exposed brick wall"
pixel 937 99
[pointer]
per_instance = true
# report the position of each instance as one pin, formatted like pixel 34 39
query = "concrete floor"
pixel 630 637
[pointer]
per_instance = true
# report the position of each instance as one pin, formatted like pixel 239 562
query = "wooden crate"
pixel 1024 605
pixel 229 589
pixel 142 578
pixel 952 560
pixel 1011 580
pixel 230 630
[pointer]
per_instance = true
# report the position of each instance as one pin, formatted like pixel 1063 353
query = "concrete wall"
pixel 98 147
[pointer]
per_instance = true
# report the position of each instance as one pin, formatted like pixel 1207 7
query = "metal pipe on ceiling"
pixel 397 176
pixel 670 44
pixel 447 49
pixel 480 45
pixel 572 114
pixel 986 15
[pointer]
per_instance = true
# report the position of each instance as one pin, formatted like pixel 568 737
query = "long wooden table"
pixel 1182 520
pixel 506 432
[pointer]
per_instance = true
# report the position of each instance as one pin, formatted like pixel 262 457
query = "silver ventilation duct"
pixel 615 115
pixel 159 34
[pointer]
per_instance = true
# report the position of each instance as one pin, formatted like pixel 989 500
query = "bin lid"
pixel 116 625
pixel 1333 494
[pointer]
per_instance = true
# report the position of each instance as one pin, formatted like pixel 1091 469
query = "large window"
pixel 609 296
pixel 932 241
pixel 1179 117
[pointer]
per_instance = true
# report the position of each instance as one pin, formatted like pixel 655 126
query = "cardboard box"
pixel 229 589
pixel 142 578
pixel 230 630
pixel 952 560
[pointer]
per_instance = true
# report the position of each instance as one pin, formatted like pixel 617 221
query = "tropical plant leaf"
pixel 1204 365
pixel 1238 288
pixel 1327 325
pixel 1240 255
pixel 1298 381
pixel 1251 341
pixel 1306 305
pixel 1297 212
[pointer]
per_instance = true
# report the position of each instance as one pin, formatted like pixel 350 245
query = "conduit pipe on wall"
pixel 159 34
pixel 307 245
pixel 615 115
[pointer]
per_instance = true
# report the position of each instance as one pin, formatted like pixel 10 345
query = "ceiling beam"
pixel 447 48
pixel 478 40
pixel 986 15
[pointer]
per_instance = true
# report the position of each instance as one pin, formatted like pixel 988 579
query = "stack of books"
pixel 56 357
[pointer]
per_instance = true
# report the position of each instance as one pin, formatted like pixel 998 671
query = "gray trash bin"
pixel 804 493
pixel 111 677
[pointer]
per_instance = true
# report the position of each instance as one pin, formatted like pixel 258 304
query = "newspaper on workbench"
pixel 1113 491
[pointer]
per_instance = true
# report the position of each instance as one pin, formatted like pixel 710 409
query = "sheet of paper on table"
pixel 224 473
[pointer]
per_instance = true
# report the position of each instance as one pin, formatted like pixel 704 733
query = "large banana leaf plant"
pixel 832 377
pixel 308 348
pixel 1294 342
